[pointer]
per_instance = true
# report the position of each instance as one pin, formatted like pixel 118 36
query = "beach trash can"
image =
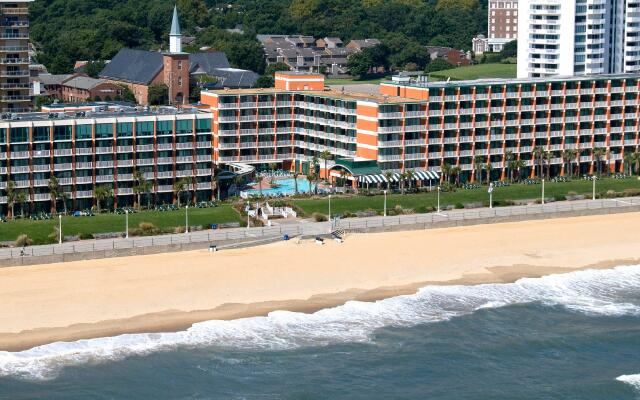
pixel 285 237
pixel 214 226
pixel 213 248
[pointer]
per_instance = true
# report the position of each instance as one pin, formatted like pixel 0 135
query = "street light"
pixel 594 187
pixel 126 219
pixel 329 207
pixel 438 199
pixel 385 203
pixel 59 228
pixel 543 191
pixel 186 219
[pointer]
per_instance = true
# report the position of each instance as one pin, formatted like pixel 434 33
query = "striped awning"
pixel 395 177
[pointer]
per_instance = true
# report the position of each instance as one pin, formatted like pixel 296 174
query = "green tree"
pixel 93 68
pixel 359 64
pixel 101 194
pixel 179 187
pixel 439 64
pixel 158 94
pixel 54 192
pixel 11 193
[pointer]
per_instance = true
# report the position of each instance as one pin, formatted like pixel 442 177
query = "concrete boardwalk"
pixel 247 237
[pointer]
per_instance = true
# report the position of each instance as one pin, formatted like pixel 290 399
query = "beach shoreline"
pixel 168 293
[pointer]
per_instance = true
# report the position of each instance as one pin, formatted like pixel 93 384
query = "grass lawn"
pixel 104 223
pixel 423 201
pixel 478 71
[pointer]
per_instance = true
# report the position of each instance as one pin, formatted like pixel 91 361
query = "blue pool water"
pixel 561 337
pixel 285 187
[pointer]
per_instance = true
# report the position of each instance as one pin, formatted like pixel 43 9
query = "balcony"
pixel 165 146
pixel 104 164
pixel 104 178
pixel 80 151
pixel 165 174
pixel 184 173
pixel 13 61
pixel 144 147
pixel 182 160
pixel 62 167
pixel 15 98
pixel 84 165
pixel 83 180
pixel 125 177
pixel 125 149
pixel 41 168
pixel 104 150
pixel 204 172
pixel 84 194
pixel 14 11
pixel 14 35
pixel 14 74
pixel 184 146
pixel 63 152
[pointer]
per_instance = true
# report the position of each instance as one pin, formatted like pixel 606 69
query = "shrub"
pixel 319 217
pixel 145 229
pixel 54 236
pixel 23 240
pixel 631 192
pixel 459 206
pixel 85 236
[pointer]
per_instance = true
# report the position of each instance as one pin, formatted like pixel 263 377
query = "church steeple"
pixel 175 37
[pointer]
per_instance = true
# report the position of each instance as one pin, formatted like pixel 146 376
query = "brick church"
pixel 141 69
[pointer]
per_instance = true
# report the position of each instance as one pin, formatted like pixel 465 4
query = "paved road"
pixel 305 228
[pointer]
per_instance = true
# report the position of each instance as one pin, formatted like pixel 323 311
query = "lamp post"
pixel 438 199
pixel 543 191
pixel 594 186
pixel 126 222
pixel 59 228
pixel 186 219
pixel 385 203
pixel 491 195
pixel 329 207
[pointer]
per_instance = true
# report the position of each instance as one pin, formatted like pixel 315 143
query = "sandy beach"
pixel 168 292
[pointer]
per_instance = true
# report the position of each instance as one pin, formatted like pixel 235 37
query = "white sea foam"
pixel 596 292
pixel 633 380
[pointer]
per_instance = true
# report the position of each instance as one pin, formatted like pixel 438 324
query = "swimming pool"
pixel 285 187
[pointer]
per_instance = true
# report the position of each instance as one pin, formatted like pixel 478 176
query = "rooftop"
pixel 480 82
pixel 346 95
pixel 115 110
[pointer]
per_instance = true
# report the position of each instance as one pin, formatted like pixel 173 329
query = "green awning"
pixel 357 168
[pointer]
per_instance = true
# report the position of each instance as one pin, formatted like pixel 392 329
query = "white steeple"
pixel 175 37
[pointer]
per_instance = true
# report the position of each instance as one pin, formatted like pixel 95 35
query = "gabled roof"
pixel 207 62
pixel 48 79
pixel 136 66
pixel 83 82
pixel 235 78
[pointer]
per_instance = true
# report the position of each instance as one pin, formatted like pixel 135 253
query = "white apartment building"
pixel 502 23
pixel 578 37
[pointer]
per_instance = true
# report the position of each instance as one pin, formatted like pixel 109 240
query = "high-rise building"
pixel 502 24
pixel 578 37
pixel 14 56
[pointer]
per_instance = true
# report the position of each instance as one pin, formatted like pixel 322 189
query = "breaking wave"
pixel 594 292
pixel 633 380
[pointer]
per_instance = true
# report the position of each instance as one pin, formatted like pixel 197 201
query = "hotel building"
pixel 14 56
pixel 104 148
pixel 502 23
pixel 578 37
pixel 409 125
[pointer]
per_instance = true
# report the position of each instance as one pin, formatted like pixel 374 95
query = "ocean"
pixel 570 336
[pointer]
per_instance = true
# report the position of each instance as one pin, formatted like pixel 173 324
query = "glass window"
pixel 203 125
pixel 104 131
pixel 62 132
pixel 83 132
pixel 125 129
pixel 19 135
pixel 165 127
pixel 3 135
pixel 41 134
pixel 184 126
pixel 144 128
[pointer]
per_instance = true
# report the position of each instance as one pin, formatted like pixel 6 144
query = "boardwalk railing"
pixel 243 235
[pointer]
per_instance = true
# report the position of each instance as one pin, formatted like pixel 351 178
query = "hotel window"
pixel 203 125
pixel 3 135
pixel 62 133
pixel 41 134
pixel 144 128
pixel 104 131
pixel 179 64
pixel 19 135
pixel 184 126
pixel 83 132
pixel 125 129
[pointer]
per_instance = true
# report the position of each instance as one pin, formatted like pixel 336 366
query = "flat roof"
pixel 477 82
pixel 335 94
pixel 79 115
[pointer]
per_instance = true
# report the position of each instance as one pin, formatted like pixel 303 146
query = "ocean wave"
pixel 633 380
pixel 594 292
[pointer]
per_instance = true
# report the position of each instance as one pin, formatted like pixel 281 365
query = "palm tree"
pixel 628 161
pixel 316 173
pixel 508 157
pixel 178 188
pixel 326 156
pixel 636 159
pixel 403 177
pixel 546 158
pixel 311 178
pixel 11 197
pixel 295 182
pixel 512 165
pixel 568 156
pixel 488 167
pixel 409 175
pixel 598 154
pixel 21 197
pixel 54 193
pixel 519 164
pixel 388 176
pixel 538 152
pixel 101 193
pixel 139 186
pixel 259 180
pixel 343 178
pixel 478 161
pixel 446 172
pixel 455 172
pixel 64 197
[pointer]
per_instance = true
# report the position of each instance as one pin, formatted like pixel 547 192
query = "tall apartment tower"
pixel 578 37
pixel 502 23
pixel 14 56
